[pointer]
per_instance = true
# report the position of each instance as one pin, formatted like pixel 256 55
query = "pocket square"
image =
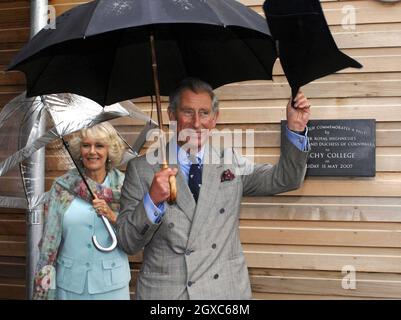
pixel 227 175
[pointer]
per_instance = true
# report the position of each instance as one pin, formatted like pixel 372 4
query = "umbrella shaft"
pixel 156 81
pixel 158 100
pixel 76 166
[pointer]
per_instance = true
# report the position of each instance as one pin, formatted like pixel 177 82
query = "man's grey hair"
pixel 194 85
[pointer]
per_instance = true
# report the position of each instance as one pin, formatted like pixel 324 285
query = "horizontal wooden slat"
pixel 382 185
pixel 323 235
pixel 323 258
pixel 286 296
pixel 12 246
pixel 362 209
pixel 14 18
pixel 12 268
pixel 325 287
pixel 12 288
pixel 324 283
pixel 7 4
pixel 12 227
pixel 320 89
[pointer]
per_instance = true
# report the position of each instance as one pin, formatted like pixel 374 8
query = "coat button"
pixel 222 210
pixel 87 264
pixel 89 245
pixel 188 252
pixel 190 283
pixel 216 276
pixel 113 264
pixel 171 225
pixel 214 246
pixel 90 227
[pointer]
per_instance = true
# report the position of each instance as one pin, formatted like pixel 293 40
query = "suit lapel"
pixel 207 195
pixel 184 200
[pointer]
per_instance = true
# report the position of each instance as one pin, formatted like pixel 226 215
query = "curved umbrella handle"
pixel 112 234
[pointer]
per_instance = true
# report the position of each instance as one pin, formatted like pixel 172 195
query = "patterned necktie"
pixel 195 180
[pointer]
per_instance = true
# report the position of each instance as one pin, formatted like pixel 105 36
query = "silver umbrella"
pixel 66 114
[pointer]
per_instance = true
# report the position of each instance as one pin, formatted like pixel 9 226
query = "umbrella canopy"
pixel 68 114
pixel 306 47
pixel 102 50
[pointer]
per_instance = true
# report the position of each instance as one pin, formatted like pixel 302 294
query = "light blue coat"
pixel 79 262
pixel 68 260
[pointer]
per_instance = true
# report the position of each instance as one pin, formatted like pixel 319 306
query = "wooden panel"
pixel 325 287
pixel 317 89
pixel 15 18
pixel 12 288
pixel 323 258
pixel 320 234
pixel 12 267
pixel 383 184
pixel 12 227
pixel 13 39
pixel 286 296
pixel 13 246
pixel 362 209
pixel 12 78
pixel 325 283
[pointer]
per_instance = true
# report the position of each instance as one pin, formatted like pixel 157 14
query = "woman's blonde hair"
pixel 105 133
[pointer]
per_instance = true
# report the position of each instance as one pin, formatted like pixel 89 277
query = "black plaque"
pixel 342 148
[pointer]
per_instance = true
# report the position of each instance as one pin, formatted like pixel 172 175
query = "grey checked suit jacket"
pixel 195 252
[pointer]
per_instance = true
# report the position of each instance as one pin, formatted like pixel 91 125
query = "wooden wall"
pixel 296 244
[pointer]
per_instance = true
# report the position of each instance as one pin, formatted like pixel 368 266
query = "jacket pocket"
pixel 64 269
pixel 115 271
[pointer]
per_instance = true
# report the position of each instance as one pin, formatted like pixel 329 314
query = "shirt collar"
pixel 184 158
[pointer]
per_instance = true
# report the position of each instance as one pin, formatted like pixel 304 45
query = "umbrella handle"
pixel 173 186
pixel 112 235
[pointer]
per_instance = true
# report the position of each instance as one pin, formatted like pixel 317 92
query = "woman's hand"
pixel 103 209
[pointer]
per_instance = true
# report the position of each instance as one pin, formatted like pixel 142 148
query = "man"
pixel 192 248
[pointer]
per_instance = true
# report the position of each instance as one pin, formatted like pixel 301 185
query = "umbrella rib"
pixel 239 12
pixel 270 72
pixel 91 16
pixel 212 10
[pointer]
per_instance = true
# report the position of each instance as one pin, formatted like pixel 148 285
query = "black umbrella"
pixel 306 47
pixel 101 49
pixel 105 50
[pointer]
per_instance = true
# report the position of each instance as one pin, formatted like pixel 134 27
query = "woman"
pixel 70 267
